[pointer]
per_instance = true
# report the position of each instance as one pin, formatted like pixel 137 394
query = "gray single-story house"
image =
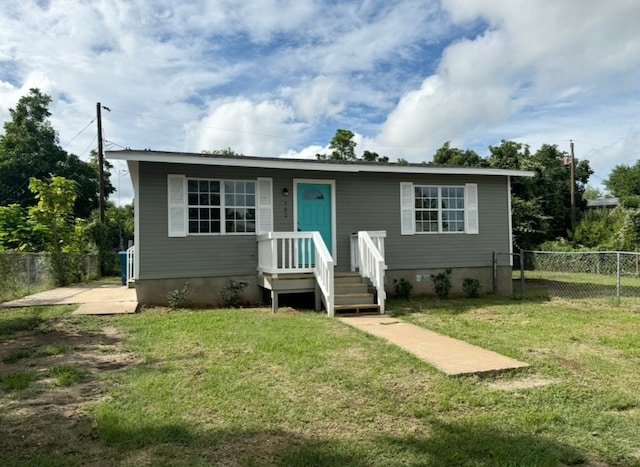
pixel 344 230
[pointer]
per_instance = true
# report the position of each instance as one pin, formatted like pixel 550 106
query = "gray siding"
pixel 364 201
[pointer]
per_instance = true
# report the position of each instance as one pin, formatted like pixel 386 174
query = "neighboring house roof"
pixel 305 164
pixel 603 203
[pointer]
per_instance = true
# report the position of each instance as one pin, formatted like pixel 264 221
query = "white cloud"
pixel 277 77
pixel 253 129
pixel 532 54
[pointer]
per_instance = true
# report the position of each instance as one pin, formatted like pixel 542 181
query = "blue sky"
pixel 276 78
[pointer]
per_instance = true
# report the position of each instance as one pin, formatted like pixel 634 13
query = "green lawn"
pixel 247 387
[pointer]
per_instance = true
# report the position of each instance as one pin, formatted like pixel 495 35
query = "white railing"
pixel 371 265
pixel 131 258
pixel 324 272
pixel 298 252
pixel 377 236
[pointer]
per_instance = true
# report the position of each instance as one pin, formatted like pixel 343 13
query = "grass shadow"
pixel 475 444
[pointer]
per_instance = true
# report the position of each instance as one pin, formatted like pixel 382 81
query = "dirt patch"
pixel 517 384
pixel 46 413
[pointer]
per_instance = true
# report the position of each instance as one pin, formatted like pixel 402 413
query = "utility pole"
pixel 573 188
pixel 101 199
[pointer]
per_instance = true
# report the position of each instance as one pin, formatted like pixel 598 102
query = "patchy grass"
pixel 17 355
pixel 66 375
pixel 248 387
pixel 17 381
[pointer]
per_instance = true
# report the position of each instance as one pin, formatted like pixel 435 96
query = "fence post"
pixel 495 272
pixel 522 282
pixel 618 278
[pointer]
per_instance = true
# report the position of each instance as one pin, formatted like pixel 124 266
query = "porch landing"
pixel 451 356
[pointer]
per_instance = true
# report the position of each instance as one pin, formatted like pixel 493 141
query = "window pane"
pixel 228 187
pixel 239 200
pixel 251 188
pixel 230 227
pixel 214 186
pixel 193 226
pixel 251 214
pixel 251 200
pixel 192 185
pixel 204 213
pixel 228 199
pixel 193 214
pixel 193 198
pixel 204 226
pixel 215 200
pixel 229 214
pixel 204 200
pixel 215 214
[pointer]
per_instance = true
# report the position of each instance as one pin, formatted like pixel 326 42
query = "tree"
pixel 226 152
pixel 374 157
pixel 343 147
pixel 447 155
pixel 53 218
pixel 624 180
pixel 30 148
pixel 591 192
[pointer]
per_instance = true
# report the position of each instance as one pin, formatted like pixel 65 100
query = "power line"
pixel 79 133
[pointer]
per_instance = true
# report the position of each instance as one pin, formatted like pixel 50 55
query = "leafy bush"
pixel 403 288
pixel 471 287
pixel 442 284
pixel 231 293
pixel 177 297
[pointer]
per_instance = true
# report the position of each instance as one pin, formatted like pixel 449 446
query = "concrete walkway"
pixel 94 298
pixel 451 356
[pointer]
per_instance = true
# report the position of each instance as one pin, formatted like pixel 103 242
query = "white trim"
pixel 304 164
pixel 332 185
pixel 510 222
pixel 134 173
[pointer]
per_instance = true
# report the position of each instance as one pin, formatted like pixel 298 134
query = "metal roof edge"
pixel 305 164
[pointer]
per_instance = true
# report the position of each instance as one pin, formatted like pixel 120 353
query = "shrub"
pixel 403 288
pixel 442 283
pixel 231 292
pixel 471 287
pixel 177 297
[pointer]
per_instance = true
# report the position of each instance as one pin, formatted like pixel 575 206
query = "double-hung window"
pixel 221 206
pixel 439 208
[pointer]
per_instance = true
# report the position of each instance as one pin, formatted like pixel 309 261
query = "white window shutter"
pixel 177 202
pixel 471 208
pixel 407 205
pixel 264 208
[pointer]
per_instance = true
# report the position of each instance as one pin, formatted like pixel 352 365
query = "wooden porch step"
pixel 361 308
pixel 353 298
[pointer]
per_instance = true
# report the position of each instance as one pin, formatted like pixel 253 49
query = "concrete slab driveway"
pixel 94 298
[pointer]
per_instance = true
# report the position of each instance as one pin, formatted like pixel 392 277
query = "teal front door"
pixel 314 210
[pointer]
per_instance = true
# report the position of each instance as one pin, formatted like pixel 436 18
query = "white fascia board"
pixel 298 164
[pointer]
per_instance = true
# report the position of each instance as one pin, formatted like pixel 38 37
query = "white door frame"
pixel 332 186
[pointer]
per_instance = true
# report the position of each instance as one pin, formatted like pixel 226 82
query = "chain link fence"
pixel 606 276
pixel 22 273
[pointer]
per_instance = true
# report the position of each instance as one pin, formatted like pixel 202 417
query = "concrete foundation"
pixel 206 291
pixel 201 291
pixel 422 280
